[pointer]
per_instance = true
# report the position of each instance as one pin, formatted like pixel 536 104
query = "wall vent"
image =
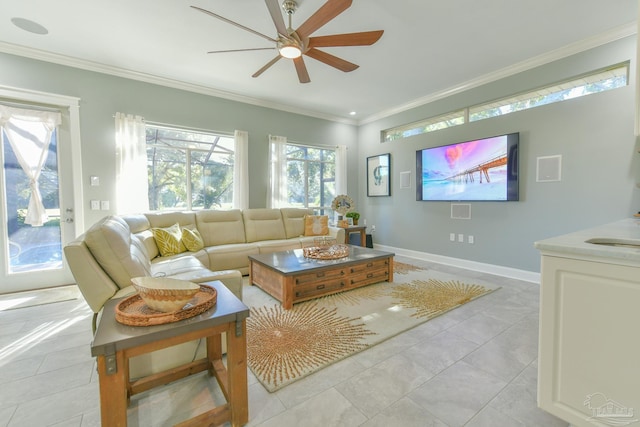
pixel 549 169
pixel 460 211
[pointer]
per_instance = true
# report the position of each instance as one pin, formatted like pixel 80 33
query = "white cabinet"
pixel 589 353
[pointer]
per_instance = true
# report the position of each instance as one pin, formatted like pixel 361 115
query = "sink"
pixel 608 241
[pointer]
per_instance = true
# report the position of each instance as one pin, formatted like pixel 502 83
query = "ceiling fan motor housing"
pixel 289 6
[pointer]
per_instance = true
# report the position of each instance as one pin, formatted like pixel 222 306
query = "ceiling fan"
pixel 292 44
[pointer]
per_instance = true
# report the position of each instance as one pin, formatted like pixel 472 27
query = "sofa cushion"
pixel 192 239
pixel 141 228
pixel 220 227
pixel 263 224
pixel 120 254
pixel 293 219
pixel 316 225
pixel 169 240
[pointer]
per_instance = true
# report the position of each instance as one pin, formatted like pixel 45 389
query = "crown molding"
pixel 158 80
pixel 554 55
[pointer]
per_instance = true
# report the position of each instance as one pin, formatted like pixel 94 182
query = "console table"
pixel 356 229
pixel 114 344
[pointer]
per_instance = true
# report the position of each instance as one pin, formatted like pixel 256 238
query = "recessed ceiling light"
pixel 353 113
pixel 30 26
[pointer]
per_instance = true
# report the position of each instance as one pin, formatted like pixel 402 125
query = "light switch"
pixel 104 205
pixel 95 205
pixel 95 181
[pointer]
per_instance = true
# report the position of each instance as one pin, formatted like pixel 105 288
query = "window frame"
pixel 200 144
pixel 324 205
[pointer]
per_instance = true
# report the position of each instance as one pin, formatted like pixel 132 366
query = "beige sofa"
pixel 105 258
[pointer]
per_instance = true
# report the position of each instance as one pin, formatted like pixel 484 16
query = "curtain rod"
pixel 30 106
pixel 186 128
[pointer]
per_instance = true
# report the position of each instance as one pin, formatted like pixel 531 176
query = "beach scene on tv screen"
pixel 474 170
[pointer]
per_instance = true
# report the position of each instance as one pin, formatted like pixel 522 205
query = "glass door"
pixel 32 255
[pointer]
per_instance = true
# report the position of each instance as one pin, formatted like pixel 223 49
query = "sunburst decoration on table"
pixel 403 268
pixel 432 297
pixel 284 344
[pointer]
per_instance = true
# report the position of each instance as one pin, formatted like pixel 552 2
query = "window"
pixel 435 123
pixel 311 177
pixel 597 81
pixel 189 169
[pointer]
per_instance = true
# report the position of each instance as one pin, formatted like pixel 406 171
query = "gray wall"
pixel 103 95
pixel 594 135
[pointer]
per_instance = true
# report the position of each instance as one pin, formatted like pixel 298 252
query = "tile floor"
pixel 474 366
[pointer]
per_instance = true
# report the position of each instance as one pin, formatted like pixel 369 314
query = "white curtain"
pixel 341 169
pixel 277 190
pixel 241 170
pixel 132 185
pixel 29 133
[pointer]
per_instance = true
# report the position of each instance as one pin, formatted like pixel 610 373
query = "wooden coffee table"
pixel 289 277
pixel 114 343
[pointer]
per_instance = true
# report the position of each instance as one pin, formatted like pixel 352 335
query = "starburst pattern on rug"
pixel 403 268
pixel 284 344
pixel 433 297
pixel 354 297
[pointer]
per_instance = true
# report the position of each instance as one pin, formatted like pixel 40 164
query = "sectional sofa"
pixel 215 245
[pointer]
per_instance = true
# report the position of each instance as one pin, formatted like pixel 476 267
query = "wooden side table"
pixel 356 229
pixel 114 344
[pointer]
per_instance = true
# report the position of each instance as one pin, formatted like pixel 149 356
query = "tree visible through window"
pixel 311 177
pixel 189 169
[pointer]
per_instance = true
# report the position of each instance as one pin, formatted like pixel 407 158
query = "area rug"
pixel 284 346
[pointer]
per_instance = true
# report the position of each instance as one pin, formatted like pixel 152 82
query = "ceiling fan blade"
pixel 326 13
pixel 269 64
pixel 301 69
pixel 240 50
pixel 222 18
pixel 366 38
pixel 331 60
pixel 276 16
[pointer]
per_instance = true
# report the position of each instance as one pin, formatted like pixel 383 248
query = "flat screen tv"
pixel 480 170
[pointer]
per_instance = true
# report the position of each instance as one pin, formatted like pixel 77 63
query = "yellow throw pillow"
pixel 169 240
pixel 192 239
pixel 316 225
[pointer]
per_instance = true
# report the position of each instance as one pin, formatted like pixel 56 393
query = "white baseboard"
pixel 513 273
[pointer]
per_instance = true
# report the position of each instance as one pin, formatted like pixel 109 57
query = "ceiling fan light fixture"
pixel 289 49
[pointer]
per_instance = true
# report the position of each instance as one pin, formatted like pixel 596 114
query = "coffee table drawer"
pixel 319 288
pixel 369 276
pixel 324 275
pixel 368 266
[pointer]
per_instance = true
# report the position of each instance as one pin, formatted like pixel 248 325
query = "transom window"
pixel 597 81
pixel 189 169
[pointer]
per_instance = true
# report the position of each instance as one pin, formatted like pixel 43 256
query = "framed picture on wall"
pixel 379 175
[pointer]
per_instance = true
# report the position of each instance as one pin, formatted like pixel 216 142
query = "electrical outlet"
pixel 452 237
pixel 461 238
pixel 471 239
pixel 95 205
pixel 373 228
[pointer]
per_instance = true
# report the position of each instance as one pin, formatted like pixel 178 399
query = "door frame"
pixel 72 105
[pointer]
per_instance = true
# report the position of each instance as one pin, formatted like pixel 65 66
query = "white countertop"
pixel 624 231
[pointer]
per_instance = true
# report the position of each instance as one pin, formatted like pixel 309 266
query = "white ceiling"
pixel 429 48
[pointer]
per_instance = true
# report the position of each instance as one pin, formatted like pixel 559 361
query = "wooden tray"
pixel 134 312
